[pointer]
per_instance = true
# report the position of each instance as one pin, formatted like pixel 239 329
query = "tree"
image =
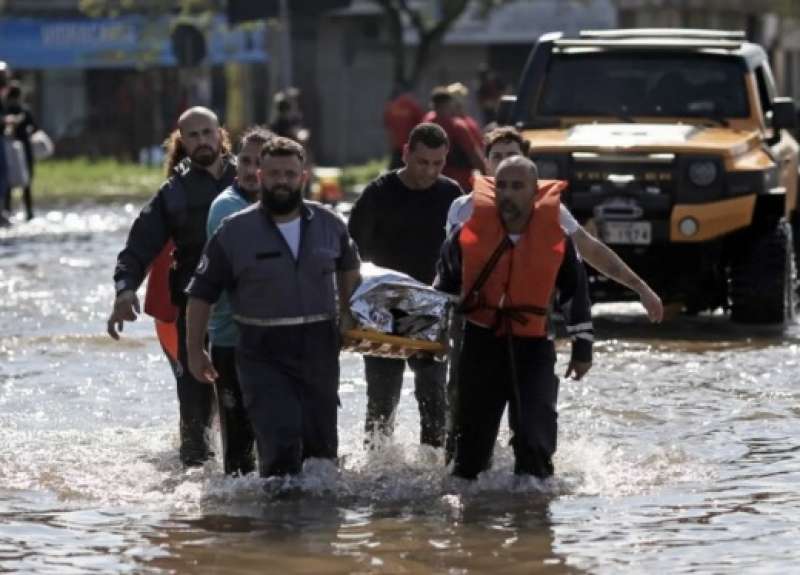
pixel 431 21
pixel 100 8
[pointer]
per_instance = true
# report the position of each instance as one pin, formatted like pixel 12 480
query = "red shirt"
pixel 462 141
pixel 474 129
pixel 400 115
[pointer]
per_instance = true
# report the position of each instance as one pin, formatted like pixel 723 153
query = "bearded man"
pixel 281 262
pixel 178 212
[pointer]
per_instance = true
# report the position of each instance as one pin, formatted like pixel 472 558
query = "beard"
pixel 204 156
pixel 249 185
pixel 278 204
pixel 509 212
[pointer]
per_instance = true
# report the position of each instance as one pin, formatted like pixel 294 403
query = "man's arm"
pixel 148 235
pixel 573 288
pixel 213 275
pixel 448 269
pixel 200 364
pixel 608 263
pixel 146 238
pixel 348 276
pixel 347 281
pixel 361 224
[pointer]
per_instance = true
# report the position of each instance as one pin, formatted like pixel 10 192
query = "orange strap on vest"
pixel 157 300
pixel 515 296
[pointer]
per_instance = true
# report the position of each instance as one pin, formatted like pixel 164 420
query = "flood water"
pixel 679 453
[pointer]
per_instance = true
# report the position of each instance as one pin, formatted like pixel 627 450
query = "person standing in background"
pixel 5 78
pixel 460 94
pixel 464 155
pixel 400 114
pixel 21 123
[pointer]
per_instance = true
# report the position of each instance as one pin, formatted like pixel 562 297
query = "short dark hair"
pixel 258 135
pixel 505 134
pixel 431 135
pixel 280 146
pixel 441 95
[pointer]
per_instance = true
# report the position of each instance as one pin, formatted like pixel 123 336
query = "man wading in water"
pixel 178 212
pixel 506 263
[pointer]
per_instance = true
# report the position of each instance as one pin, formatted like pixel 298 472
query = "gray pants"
pixel 290 380
pixel 384 384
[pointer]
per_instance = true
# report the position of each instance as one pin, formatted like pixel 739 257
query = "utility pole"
pixel 286 44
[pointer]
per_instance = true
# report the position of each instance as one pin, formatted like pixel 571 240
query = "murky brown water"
pixel 678 454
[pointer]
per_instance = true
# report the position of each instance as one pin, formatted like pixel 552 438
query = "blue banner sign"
pixel 125 42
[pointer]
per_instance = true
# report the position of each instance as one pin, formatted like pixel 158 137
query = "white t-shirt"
pixel 461 210
pixel 291 233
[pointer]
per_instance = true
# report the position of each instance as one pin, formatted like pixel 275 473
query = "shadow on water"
pixel 481 533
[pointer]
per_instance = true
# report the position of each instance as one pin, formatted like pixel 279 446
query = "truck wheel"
pixel 762 278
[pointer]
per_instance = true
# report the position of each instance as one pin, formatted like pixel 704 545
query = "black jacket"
pixel 179 212
pixel 571 284
pixel 402 229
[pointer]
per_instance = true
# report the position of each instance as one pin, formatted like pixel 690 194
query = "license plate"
pixel 636 233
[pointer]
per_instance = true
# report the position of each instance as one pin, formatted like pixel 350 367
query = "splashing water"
pixel 676 454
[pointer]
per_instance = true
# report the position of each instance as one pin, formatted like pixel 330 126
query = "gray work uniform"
pixel 285 309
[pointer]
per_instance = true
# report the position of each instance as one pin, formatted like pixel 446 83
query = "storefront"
pixel 114 86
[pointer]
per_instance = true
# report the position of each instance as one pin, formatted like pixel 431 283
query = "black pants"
pixel 196 401
pixel 290 381
pixel 456 338
pixel 385 382
pixel 238 440
pixel 483 389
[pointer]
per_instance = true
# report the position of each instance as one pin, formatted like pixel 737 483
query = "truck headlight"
pixel 702 173
pixel 548 169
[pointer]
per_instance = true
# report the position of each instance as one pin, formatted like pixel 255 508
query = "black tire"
pixel 762 278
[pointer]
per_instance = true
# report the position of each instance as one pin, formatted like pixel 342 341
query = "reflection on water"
pixel 677 454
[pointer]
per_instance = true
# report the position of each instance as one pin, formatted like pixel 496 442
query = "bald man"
pixel 511 263
pixel 199 166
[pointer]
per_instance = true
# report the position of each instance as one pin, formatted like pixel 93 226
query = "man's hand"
pixel 201 367
pixel 652 304
pixel 577 369
pixel 126 308
pixel 346 321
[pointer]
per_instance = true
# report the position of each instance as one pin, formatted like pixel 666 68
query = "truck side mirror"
pixel 784 114
pixel 505 110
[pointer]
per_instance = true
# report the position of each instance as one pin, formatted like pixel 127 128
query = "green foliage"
pixel 111 8
pixel 82 180
pixel 361 174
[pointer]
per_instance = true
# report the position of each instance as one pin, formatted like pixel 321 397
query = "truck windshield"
pixel 623 85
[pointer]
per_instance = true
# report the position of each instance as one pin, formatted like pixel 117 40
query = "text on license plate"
pixel 638 233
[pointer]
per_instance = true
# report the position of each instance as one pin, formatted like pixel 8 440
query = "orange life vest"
pixel 518 290
pixel 157 301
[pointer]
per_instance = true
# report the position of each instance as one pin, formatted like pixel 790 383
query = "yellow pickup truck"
pixel 679 154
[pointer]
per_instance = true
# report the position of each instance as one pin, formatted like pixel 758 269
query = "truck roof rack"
pixel 645 43
pixel 672 33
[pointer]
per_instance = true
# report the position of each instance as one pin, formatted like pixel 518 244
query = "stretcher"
pixel 374 343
